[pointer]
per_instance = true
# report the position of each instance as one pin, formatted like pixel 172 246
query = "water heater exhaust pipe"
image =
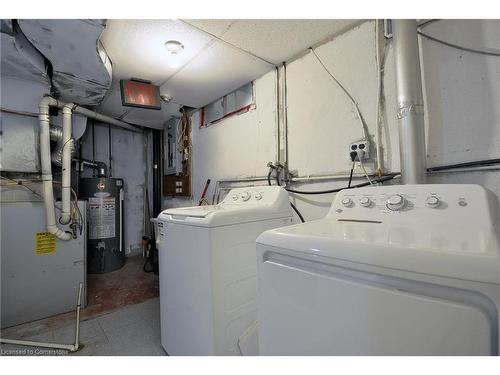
pixel 410 102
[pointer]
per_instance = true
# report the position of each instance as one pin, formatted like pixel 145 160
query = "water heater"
pixel 105 252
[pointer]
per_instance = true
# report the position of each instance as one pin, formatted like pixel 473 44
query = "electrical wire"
pixel 298 212
pixel 349 96
pixel 350 176
pixel 364 171
pixel 456 46
pixel 378 180
pixel 278 183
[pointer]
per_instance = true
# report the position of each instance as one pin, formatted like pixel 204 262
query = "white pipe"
pixel 66 164
pixel 70 347
pixel 100 117
pixel 48 192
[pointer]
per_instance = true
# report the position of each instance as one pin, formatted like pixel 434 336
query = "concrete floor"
pixel 133 330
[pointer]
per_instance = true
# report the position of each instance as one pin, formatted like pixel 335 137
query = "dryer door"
pixel 312 308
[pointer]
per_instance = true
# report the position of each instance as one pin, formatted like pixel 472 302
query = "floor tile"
pixel 88 329
pixel 96 346
pixel 138 338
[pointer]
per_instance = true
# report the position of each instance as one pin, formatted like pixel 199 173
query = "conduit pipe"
pixel 410 102
pixel 48 192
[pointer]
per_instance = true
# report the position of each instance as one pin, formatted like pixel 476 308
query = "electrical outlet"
pixel 357 146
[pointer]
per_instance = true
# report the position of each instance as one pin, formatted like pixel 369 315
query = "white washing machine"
pixel 208 269
pixel 391 270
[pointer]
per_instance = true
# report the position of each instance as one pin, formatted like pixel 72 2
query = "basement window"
pixel 239 101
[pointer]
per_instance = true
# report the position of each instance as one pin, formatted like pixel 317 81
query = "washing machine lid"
pixel 458 241
pixel 197 211
pixel 241 205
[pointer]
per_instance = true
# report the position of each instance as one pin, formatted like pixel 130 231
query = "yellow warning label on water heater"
pixel 45 243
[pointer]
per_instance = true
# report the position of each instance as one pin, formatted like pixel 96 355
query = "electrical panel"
pixel 173 153
pixel 177 179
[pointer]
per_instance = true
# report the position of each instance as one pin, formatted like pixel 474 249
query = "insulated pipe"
pixel 410 102
pixel 66 165
pixel 48 192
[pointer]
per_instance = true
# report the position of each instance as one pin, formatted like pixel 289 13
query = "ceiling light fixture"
pixel 174 47
pixel 166 98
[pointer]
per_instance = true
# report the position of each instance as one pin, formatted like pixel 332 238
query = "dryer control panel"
pixel 440 203
pixel 262 195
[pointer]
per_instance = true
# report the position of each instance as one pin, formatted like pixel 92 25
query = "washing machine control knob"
pixel 235 197
pixel 258 196
pixel 395 202
pixel 365 202
pixel 432 202
pixel 245 196
pixel 347 202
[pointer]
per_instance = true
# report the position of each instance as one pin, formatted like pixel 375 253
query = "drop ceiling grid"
pixel 215 63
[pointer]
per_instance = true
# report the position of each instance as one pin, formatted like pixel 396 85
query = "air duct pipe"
pixel 410 102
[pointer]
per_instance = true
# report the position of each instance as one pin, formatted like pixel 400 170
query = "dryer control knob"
pixel 258 196
pixel 245 196
pixel 347 202
pixel 395 202
pixel 432 202
pixel 365 202
pixel 235 197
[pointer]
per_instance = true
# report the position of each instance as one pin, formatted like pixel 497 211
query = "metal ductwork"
pixel 410 102
pixel 56 135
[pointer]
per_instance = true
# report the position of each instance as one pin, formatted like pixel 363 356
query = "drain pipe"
pixel 48 191
pixel 410 102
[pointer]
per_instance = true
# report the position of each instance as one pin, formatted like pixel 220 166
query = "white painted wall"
pixel 461 93
pixel 239 146
pixel 128 150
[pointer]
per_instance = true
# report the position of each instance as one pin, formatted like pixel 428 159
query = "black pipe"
pixel 465 165
pixel 99 166
pixel 157 171
pixel 93 146
pixel 109 150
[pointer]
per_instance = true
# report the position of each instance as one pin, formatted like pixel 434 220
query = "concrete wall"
pixel 461 93
pixel 128 150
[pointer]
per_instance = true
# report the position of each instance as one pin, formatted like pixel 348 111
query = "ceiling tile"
pixel 151 118
pixel 217 71
pixel 280 40
pixel 214 27
pixel 137 47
